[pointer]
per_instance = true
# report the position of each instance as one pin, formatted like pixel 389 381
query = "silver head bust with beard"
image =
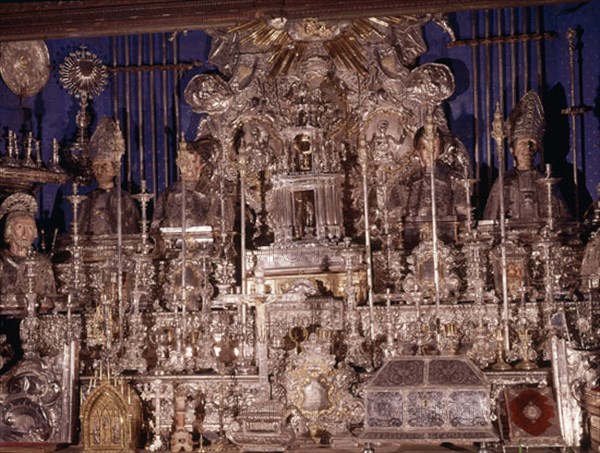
pixel 20 232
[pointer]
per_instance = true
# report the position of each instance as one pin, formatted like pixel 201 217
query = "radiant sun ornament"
pixel 83 74
pixel 288 40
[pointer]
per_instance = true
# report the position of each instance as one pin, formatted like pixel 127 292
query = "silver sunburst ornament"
pixel 83 74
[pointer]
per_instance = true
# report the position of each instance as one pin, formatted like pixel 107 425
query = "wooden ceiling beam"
pixel 50 19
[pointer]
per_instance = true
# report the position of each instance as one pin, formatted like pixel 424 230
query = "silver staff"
pixel 513 61
pixel 165 116
pixel 362 153
pixel 571 35
pixel 539 59
pixel 128 114
pixel 140 109
pixel 487 93
pixel 120 243
pixel 498 136
pixel 182 145
pixel 242 160
pixel 223 163
pixel 153 119
pixel 115 75
pixel 525 49
pixel 500 50
pixel 386 220
pixel 430 135
pixel 176 77
pixel 476 147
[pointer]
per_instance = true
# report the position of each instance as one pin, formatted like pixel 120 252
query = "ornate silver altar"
pixel 321 279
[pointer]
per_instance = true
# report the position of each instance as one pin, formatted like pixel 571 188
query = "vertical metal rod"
pixel 436 257
pixel 242 164
pixel 487 89
pixel 550 221
pixel 176 76
pixel 165 111
pixel 540 81
pixel 501 49
pixel 386 223
pixel 127 114
pixel 538 45
pixel 140 109
pixel 152 118
pixel 525 45
pixel 475 69
pixel 571 35
pixel 362 152
pixel 182 182
pixel 119 207
pixel 499 137
pixel 513 59
pixel 115 78
pixel 222 171
pixel 121 305
pixel 244 319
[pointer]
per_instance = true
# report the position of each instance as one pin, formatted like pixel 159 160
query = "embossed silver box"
pixel 432 399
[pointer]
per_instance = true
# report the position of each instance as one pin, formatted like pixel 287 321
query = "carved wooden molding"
pixel 42 20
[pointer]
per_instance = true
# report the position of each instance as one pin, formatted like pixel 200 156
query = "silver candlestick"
pixel 549 182
pixel 75 248
pixel 12 152
pixel 54 160
pixel 144 198
pixel 37 153
pixel 29 150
